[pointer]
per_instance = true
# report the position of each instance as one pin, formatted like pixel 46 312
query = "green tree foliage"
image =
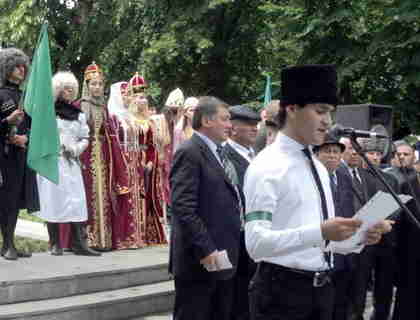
pixel 375 45
pixel 226 47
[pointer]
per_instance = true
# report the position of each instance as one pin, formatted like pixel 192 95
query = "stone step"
pixel 155 316
pixel 119 304
pixel 45 276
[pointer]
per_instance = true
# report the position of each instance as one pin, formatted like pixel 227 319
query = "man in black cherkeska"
pixel 19 189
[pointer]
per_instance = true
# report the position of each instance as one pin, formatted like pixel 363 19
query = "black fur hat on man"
pixel 9 59
pixel 307 84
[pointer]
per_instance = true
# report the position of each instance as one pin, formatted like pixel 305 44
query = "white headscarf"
pixel 175 99
pixel 115 102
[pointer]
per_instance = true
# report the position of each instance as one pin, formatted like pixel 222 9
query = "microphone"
pixel 338 131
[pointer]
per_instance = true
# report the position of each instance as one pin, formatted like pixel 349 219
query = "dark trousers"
pixel 382 261
pixel 244 273
pixel 277 294
pixel 344 285
pixel 8 221
pixel 384 265
pixel 362 275
pixel 203 299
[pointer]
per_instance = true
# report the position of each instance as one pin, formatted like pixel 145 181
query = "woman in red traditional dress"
pixel 104 170
pixel 141 219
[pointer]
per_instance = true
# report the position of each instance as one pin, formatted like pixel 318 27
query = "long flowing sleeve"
pixel 83 138
pixel 119 175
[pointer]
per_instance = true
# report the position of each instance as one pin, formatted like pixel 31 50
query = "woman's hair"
pixel 64 79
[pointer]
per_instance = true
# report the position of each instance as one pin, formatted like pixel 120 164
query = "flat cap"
pixel 330 140
pixel 245 113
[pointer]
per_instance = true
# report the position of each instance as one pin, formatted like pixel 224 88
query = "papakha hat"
pixel 309 84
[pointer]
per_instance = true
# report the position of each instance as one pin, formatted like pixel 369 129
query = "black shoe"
pixel 54 234
pixel 11 254
pixel 86 252
pixel 79 245
pixel 3 250
pixel 23 254
pixel 56 251
pixel 101 249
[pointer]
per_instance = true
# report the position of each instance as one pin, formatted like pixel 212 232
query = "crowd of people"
pixel 294 190
pixel 254 200
pixel 114 161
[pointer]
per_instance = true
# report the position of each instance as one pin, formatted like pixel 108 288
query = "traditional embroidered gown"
pixel 141 218
pixel 104 174
pixel 164 132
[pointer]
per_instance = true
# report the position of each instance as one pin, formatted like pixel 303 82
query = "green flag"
pixel 44 143
pixel 267 94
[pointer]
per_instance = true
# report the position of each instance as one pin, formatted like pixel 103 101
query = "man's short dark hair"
pixel 206 108
pixel 281 115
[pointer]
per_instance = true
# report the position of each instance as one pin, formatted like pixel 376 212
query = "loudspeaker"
pixel 365 116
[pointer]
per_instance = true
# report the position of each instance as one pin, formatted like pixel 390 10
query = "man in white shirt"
pixel 289 205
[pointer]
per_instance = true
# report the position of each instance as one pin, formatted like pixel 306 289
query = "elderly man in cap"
pixel 239 149
pixel 289 205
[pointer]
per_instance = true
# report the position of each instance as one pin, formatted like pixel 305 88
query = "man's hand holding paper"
pixel 374 225
pixel 217 261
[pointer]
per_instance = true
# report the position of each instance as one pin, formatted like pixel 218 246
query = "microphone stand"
pixel 379 175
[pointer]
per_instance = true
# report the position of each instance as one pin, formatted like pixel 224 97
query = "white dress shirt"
pixel 243 151
pixel 280 181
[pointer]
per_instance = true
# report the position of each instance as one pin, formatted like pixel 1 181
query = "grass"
pixel 28 244
pixel 23 214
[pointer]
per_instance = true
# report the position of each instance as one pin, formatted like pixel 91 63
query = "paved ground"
pixel 44 265
pixel 36 266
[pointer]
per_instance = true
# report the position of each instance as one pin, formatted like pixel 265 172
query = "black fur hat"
pixel 309 84
pixel 9 59
pixel 373 144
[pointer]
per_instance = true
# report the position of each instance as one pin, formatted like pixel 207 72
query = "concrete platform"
pixel 107 305
pixel 45 276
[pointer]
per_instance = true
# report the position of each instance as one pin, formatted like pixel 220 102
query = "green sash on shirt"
pixel 259 215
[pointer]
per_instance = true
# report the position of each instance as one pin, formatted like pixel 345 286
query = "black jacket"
pixel 373 185
pixel 344 207
pixel 408 235
pixel 19 181
pixel 205 212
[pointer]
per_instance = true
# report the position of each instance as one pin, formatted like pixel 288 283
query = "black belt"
pixel 318 278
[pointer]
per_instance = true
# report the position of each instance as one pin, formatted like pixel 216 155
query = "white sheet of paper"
pixel 378 208
pixel 222 262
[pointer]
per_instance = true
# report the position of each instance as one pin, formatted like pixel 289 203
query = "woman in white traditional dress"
pixel 66 202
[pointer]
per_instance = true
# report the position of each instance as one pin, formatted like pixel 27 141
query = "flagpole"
pixel 267 94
